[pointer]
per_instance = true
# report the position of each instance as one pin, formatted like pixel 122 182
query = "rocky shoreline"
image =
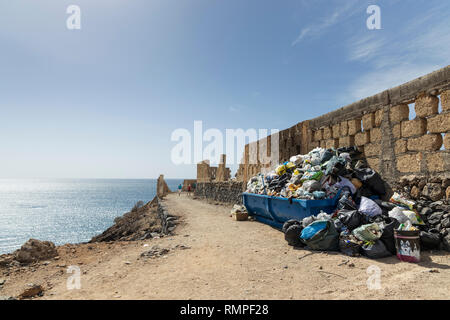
pixel 149 221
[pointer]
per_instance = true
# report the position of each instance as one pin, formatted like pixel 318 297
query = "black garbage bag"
pixel 278 183
pixel 364 191
pixel 375 250
pixel 352 219
pixel 372 179
pixel 292 235
pixel 349 248
pixel 327 155
pixel 336 166
pixel 430 240
pixel 385 206
pixel 387 237
pixel 289 223
pixel 352 151
pixel 345 201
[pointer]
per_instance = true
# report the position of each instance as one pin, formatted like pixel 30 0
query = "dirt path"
pixel 226 259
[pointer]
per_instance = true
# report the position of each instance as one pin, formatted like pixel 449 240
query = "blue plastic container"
pixel 275 211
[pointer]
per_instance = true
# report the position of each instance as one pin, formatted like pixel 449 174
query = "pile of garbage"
pixel 362 223
pixel 320 174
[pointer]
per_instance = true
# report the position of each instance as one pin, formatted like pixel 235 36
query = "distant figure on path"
pixel 189 190
pixel 180 187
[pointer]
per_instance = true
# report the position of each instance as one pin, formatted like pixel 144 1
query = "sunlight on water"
pixel 66 210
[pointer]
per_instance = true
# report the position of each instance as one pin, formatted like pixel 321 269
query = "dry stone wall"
pixel 225 192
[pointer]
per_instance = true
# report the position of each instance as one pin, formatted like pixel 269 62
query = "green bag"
pixel 324 240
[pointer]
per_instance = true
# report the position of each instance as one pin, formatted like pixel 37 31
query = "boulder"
pixel 433 191
pixel 446 242
pixel 35 250
pixel 435 218
pixel 31 291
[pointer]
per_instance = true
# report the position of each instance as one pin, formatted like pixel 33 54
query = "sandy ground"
pixel 227 259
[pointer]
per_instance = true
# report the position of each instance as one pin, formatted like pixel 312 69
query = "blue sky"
pixel 102 102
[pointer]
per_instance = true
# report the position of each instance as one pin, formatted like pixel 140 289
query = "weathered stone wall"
pixel 226 192
pixel 413 152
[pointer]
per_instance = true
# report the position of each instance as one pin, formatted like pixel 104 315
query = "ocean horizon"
pixel 66 210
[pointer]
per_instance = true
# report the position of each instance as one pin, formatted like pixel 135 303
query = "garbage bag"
pixel 397 213
pixel 367 232
pixel 292 235
pixel 387 236
pixel 369 207
pixel 313 228
pixel 375 250
pixel 345 201
pixel 307 221
pixel 351 219
pixel 430 240
pixel 343 182
pixel 372 179
pixel 326 238
pixel 318 195
pixel 289 223
pixel 336 166
pixel 327 155
pixel 311 186
pixel 349 247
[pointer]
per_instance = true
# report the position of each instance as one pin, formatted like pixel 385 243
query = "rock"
pixel 426 211
pixel 446 242
pixel 433 191
pixel 444 232
pixel 2 282
pixel 415 192
pixel 447 194
pixel 7 298
pixel 435 218
pixel 35 250
pixel 436 204
pixel 445 223
pixel 32 291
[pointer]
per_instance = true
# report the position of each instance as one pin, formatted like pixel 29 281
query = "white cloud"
pixel 418 47
pixel 342 12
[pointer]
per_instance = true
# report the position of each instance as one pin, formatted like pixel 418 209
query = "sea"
pixel 66 210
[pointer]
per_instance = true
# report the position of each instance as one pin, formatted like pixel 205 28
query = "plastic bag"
pixel 349 248
pixel 367 232
pixel 325 237
pixel 389 225
pixel 343 182
pixel 369 207
pixel 413 217
pixel 397 213
pixel 336 166
pixel 351 219
pixel 292 235
pixel 400 200
pixel 372 179
pixel 375 250
pixel 311 186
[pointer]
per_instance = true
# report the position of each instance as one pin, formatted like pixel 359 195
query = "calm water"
pixel 66 210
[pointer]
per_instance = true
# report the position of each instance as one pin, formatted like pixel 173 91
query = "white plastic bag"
pixel 397 213
pixel 369 207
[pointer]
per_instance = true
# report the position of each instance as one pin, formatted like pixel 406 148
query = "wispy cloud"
pixel 418 47
pixel 341 12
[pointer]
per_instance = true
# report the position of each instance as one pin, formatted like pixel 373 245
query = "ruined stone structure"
pixel 206 173
pixel 161 187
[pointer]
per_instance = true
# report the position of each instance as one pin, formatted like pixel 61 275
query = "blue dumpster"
pixel 275 211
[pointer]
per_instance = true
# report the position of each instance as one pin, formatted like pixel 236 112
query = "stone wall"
pixel 406 152
pixel 225 192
